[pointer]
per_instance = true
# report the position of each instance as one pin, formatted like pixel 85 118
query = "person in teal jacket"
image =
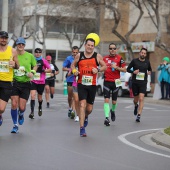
pixel 164 77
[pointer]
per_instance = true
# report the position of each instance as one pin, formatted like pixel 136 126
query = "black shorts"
pixel 69 83
pixel 38 87
pixel 21 89
pixel 5 90
pixel 51 83
pixel 108 87
pixel 87 93
pixel 138 88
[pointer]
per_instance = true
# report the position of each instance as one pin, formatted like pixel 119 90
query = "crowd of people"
pixel 26 75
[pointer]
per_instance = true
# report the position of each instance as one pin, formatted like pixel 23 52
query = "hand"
pixel 149 72
pixel 12 63
pixel 136 71
pixel 94 70
pixel 114 65
pixel 30 75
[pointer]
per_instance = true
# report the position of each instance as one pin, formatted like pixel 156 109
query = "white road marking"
pixel 123 139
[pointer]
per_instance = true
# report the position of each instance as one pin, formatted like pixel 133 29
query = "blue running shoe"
pixel 86 122
pixel 20 119
pixel 1 120
pixel 82 132
pixel 15 129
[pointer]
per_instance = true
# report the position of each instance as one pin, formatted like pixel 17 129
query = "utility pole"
pixel 5 15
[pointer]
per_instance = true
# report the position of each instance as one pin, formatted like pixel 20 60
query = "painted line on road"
pixel 124 140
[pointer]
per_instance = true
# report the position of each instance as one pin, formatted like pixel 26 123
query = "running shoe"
pixel 136 110
pixel 76 119
pixel 1 120
pixel 51 95
pixel 113 117
pixel 82 132
pixel 15 129
pixel 39 111
pixel 48 105
pixel 107 121
pixel 138 118
pixel 69 112
pixel 20 118
pixel 86 122
pixel 72 115
pixel 31 116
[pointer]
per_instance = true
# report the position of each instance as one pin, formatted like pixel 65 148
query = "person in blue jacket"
pixel 164 77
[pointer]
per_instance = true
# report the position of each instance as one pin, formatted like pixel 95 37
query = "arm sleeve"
pixel 129 68
pixel 149 67
pixel 55 67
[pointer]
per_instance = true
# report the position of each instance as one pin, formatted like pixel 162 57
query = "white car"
pixel 124 77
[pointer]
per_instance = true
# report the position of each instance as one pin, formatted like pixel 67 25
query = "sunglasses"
pixel 112 48
pixel 21 44
pixel 37 52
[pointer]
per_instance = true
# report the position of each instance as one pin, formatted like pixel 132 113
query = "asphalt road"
pixel 52 142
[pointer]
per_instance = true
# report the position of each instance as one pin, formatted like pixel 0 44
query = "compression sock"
pixel 114 106
pixel 14 115
pixel 106 109
pixel 32 105
pixel 40 104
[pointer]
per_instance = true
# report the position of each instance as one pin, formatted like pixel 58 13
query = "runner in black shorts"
pixel 21 84
pixel 141 68
pixel 115 64
pixel 50 81
pixel 38 83
pixel 8 61
pixel 87 63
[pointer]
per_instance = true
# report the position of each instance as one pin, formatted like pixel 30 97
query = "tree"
pixel 156 19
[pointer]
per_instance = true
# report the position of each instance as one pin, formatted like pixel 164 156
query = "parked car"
pixel 124 77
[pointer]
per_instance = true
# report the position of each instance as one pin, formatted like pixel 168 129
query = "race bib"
pixel 4 66
pixel 20 71
pixel 48 75
pixel 118 83
pixel 87 80
pixel 140 76
pixel 37 76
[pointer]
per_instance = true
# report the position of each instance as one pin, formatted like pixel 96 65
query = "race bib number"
pixel 87 80
pixel 140 76
pixel 37 76
pixel 20 71
pixel 4 66
pixel 118 83
pixel 48 75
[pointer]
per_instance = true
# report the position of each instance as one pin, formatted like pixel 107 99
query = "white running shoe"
pixel 76 119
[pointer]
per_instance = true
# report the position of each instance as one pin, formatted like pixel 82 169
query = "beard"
pixel 3 43
pixel 142 57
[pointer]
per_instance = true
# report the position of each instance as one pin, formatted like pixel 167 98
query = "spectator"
pixel 163 77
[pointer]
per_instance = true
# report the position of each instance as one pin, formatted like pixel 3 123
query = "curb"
pixel 160 138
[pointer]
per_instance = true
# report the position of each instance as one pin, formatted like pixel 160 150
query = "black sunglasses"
pixel 37 52
pixel 112 48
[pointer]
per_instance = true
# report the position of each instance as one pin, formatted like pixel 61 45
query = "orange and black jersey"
pixel 85 66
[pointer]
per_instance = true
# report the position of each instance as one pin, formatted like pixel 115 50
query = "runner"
pixel 8 61
pixel 69 79
pixel 22 84
pixel 115 64
pixel 87 63
pixel 38 83
pixel 141 69
pixel 50 81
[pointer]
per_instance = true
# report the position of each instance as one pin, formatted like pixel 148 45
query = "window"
pixel 63 54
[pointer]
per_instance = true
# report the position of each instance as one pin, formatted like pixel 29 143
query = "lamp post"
pixel 5 15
